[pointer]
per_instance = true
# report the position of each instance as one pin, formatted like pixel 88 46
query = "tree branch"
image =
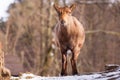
pixel 103 31
pixel 95 2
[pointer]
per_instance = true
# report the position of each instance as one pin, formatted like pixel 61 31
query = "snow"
pixel 115 75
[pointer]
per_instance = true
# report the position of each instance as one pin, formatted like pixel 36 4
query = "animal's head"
pixel 64 12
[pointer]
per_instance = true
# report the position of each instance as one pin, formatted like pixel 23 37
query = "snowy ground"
pixel 111 75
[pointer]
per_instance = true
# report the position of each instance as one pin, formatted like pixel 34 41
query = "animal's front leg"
pixel 64 64
pixel 73 63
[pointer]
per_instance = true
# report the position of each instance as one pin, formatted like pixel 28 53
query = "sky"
pixel 4 4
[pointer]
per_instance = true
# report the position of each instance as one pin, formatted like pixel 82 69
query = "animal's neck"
pixel 70 23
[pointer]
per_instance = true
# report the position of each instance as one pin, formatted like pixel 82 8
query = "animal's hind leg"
pixel 64 64
pixel 73 62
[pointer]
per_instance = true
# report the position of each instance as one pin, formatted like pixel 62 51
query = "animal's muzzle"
pixel 62 22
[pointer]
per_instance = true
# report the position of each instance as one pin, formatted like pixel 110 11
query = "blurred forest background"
pixel 28 34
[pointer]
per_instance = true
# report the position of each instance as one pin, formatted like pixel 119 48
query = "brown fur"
pixel 69 35
pixel 4 72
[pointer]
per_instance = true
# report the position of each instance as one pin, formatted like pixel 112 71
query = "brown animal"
pixel 4 72
pixel 69 35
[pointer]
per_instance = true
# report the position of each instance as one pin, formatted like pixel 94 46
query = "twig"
pixel 103 31
pixel 94 2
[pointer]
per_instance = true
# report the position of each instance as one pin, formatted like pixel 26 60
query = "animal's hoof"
pixel 75 73
pixel 63 74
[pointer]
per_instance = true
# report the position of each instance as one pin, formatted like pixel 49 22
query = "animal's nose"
pixel 62 21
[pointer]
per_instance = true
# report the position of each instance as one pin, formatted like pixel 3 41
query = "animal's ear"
pixel 56 7
pixel 72 7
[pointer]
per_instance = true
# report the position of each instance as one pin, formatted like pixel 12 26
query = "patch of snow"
pixel 112 65
pixel 111 75
pixel 105 76
pixel 27 75
pixel 69 52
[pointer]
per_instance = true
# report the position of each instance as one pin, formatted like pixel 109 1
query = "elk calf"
pixel 69 35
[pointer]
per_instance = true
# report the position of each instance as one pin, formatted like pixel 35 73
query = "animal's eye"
pixel 59 13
